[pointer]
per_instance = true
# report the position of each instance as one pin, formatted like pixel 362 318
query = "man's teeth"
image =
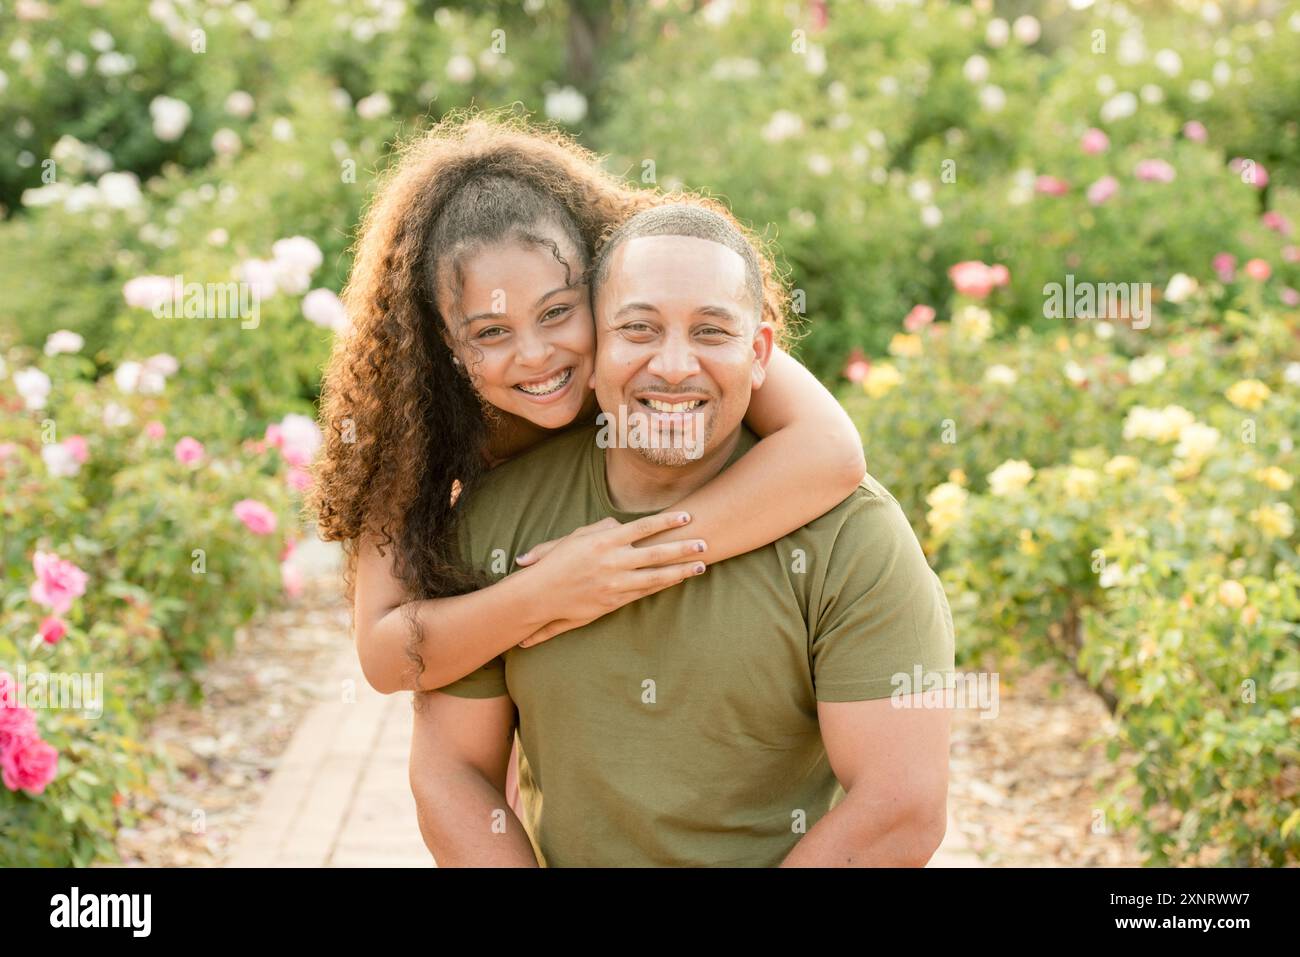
pixel 550 385
pixel 673 406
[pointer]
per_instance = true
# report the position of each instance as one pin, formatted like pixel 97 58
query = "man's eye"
pixel 637 327
pixel 713 331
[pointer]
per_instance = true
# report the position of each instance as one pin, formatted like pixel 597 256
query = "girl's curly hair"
pixel 405 432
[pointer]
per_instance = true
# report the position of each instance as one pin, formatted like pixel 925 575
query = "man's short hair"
pixel 683 219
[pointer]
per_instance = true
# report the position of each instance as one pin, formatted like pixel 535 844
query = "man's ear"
pixel 764 338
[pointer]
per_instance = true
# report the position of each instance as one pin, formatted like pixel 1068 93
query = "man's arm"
pixel 893 765
pixel 460 748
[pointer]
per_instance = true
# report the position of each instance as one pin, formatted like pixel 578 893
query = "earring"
pixel 455 361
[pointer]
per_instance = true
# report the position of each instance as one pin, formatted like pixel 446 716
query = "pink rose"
pixel 17 723
pixel 1289 296
pixel 1277 222
pixel 1225 265
pixel 7 450
pixel 299 479
pixel 76 447
pixel 257 518
pixel 1154 171
pixel 1094 141
pixel 30 764
pixel 1290 254
pixel 290 546
pixel 918 318
pixel 1194 131
pixel 155 430
pixel 53 629
pixel 1258 269
pixel 971 278
pixel 188 451
pixel 1051 186
pixel 1250 172
pixel 58 582
pixel 291 579
pixel 999 274
pixel 1102 190
pixel 8 691
pixel 295 455
pixel 274 435
pixel 855 370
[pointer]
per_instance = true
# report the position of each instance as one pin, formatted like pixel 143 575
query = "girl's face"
pixel 527 338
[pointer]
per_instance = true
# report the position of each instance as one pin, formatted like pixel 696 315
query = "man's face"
pixel 678 346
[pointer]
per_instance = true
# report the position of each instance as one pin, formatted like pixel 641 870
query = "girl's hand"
pixel 597 568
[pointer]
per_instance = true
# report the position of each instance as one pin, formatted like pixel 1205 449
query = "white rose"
pixel 170 117
pixel 33 385
pixel 1181 287
pixel 119 190
pixel 566 105
pixel 240 104
pixel 323 308
pixel 63 341
pixel 59 460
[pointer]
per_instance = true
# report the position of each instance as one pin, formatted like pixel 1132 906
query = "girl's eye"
pixel 485 333
pixel 555 312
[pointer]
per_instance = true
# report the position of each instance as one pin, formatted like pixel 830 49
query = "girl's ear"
pixel 764 343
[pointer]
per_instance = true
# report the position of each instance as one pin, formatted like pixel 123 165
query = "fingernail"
pixel 699 569
pixel 684 518
pixel 699 546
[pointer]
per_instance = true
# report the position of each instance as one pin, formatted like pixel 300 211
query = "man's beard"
pixel 676 454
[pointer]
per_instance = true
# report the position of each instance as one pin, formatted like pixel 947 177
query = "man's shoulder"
pixel 869 519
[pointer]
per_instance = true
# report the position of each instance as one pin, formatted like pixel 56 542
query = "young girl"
pixel 472 339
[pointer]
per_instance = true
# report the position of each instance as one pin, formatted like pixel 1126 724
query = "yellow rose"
pixel 957 477
pixel 905 346
pixel 1081 483
pixel 973 322
pixel 880 378
pixel 1249 615
pixel 947 505
pixel 1027 544
pixel 1248 394
pixel 1010 476
pixel 1121 466
pixel 1274 520
pixel 1279 480
pixel 1231 593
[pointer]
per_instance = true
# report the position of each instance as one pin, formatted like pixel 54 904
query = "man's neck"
pixel 639 485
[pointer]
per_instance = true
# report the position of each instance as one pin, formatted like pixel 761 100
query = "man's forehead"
pixel 642 250
pixel 640 267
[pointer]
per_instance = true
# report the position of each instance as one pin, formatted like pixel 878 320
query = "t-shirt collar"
pixel 596 462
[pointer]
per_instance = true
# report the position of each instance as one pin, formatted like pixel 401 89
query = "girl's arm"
pixel 809 460
pixel 594 569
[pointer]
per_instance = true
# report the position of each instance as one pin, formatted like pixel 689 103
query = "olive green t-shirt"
pixel 682 728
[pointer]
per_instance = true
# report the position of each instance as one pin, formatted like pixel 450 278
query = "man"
pixel 745 717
